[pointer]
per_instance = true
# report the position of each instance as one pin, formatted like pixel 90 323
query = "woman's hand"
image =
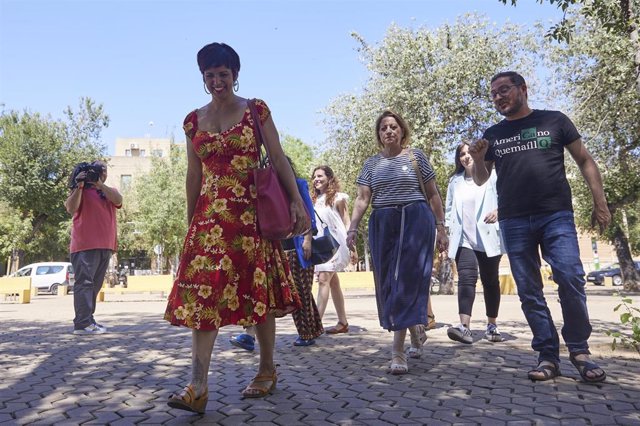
pixel 354 257
pixel 351 240
pixel 491 217
pixel 306 246
pixel 302 222
pixel 442 241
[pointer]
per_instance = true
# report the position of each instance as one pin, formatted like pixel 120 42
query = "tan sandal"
pixel 418 339
pixel 398 364
pixel 431 323
pixel 254 390
pixel 338 328
pixel 186 400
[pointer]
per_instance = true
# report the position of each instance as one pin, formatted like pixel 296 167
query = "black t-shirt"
pixel 529 159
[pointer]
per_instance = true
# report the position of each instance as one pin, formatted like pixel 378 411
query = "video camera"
pixel 92 171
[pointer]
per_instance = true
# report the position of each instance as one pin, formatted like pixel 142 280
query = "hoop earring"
pixel 205 89
pixel 236 86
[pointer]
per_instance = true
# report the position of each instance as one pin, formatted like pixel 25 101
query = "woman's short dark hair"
pixel 406 133
pixel 218 55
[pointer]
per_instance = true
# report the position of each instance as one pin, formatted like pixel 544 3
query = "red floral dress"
pixel 228 274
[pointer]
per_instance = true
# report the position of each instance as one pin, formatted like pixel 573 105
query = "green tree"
pixel 37 155
pixel 619 17
pixel 595 74
pixel 438 80
pixel 300 153
pixel 159 205
pixel 601 37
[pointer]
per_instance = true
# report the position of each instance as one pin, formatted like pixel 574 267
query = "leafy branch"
pixel 630 318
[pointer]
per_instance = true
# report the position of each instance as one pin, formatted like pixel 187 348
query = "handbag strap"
pixel 414 162
pixel 318 216
pixel 258 129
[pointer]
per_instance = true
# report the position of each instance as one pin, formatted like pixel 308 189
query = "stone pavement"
pixel 49 376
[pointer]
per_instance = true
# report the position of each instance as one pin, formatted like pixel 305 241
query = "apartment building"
pixel 132 158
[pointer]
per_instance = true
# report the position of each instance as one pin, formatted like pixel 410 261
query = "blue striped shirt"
pixel 393 180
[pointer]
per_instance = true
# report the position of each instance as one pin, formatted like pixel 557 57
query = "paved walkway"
pixel 49 376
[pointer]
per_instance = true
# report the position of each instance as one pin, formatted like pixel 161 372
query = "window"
pixel 125 181
pixel 142 153
pixel 156 153
pixel 24 272
pixel 127 153
pixel 42 270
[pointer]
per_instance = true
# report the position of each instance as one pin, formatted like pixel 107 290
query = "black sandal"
pixel 585 366
pixel 549 371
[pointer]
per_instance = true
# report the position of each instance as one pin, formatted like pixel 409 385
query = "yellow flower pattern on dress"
pixel 227 273
pixel 260 308
pixel 239 190
pixel 247 218
pixel 240 162
pixel 204 291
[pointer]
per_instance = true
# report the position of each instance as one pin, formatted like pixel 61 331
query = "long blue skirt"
pixel 402 243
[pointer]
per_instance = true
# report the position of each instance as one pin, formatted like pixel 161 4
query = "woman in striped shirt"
pixel 407 217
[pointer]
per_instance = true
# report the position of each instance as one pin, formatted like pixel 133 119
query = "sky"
pixel 138 57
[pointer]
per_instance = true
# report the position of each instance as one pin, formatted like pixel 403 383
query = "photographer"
pixel 93 239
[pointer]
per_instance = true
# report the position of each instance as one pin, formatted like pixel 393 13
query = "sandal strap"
pixel 579 352
pixel 188 394
pixel 549 371
pixel 398 356
pixel 264 377
pixel 585 366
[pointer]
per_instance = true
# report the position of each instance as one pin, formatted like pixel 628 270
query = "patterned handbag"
pixel 272 204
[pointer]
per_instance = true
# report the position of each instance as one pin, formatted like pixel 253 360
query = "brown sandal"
pixel 186 400
pixel 431 323
pixel 338 328
pixel 254 390
pixel 546 370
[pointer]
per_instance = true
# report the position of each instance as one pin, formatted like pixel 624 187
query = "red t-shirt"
pixel 94 223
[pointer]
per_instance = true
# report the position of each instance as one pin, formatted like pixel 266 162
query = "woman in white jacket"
pixel 471 215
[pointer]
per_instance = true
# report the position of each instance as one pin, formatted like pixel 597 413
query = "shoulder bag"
pixel 272 201
pixel 414 162
pixel 323 247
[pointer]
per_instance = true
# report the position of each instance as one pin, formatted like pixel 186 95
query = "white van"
pixel 47 276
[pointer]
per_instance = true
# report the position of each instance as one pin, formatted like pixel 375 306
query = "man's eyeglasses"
pixel 502 90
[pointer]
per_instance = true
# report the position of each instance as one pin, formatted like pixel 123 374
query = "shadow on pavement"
pixel 126 376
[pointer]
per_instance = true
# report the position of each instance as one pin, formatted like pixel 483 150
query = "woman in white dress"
pixel 332 211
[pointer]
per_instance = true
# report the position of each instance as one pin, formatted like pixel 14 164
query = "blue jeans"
pixel 555 235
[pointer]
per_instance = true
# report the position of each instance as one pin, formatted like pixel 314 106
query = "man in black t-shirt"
pixel 536 214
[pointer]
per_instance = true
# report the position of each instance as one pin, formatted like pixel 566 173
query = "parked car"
pixel 47 276
pixel 613 271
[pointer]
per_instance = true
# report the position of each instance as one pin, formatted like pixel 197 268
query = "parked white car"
pixel 47 276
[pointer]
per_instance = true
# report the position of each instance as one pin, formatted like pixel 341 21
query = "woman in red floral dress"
pixel 228 274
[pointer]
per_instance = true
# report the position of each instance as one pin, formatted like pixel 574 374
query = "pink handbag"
pixel 273 203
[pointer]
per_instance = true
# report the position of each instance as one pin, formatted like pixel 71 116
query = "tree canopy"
pixel 438 80
pixel 596 74
pixel 37 155
pixel 157 207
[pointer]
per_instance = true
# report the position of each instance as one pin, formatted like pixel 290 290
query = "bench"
pixel 17 286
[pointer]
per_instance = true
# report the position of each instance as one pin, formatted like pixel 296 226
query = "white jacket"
pixel 486 202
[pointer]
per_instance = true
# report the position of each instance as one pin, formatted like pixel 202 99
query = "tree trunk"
pixel 630 276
